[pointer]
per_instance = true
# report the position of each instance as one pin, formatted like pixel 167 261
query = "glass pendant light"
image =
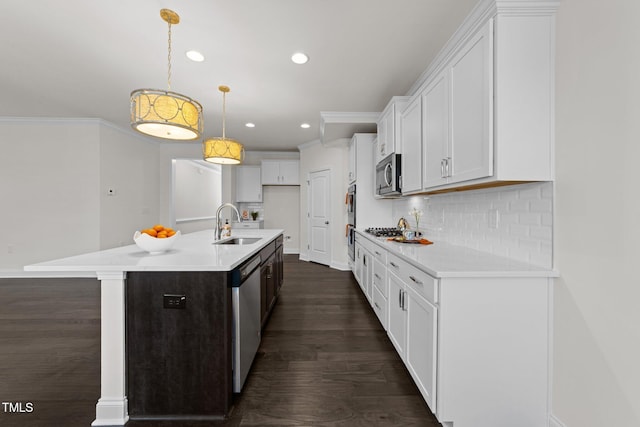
pixel 223 150
pixel 162 113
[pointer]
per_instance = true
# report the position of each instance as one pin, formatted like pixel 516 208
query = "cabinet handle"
pixel 448 163
pixel 416 281
pixel 376 304
pixel 400 298
pixel 392 264
pixel 378 253
pixel 442 168
pixel 404 306
pixel 378 276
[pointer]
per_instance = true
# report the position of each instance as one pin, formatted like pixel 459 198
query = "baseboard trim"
pixel 555 422
pixel 340 266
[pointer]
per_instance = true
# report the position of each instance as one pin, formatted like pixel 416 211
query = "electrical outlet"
pixel 174 301
pixel 493 218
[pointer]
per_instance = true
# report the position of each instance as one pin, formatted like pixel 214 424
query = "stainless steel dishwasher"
pixel 246 319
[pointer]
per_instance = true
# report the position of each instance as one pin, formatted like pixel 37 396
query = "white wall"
pixel 315 157
pixel 49 190
pixel 128 165
pixel 54 176
pixel 597 297
pixel 197 193
pixel 282 210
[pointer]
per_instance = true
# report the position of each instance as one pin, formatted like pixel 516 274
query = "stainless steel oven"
pixel 389 176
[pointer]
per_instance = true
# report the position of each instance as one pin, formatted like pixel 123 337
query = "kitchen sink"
pixel 238 241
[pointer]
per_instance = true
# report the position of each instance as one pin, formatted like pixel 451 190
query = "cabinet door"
pixel 396 327
pixel 386 131
pixel 411 140
pixel 279 269
pixel 248 184
pixel 358 264
pixel 289 172
pixel 436 131
pixel 471 109
pixel 420 356
pixel 270 172
pixel 352 160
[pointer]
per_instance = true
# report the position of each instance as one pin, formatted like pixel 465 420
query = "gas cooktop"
pixel 384 231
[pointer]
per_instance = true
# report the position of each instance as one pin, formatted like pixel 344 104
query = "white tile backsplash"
pixel 524 220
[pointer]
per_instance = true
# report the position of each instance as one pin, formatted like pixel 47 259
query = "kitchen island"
pixel 196 267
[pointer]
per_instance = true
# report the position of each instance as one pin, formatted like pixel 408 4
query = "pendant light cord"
pixel 169 60
pixel 224 112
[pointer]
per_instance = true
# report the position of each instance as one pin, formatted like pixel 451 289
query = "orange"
pixel 161 236
pixel 150 231
pixel 171 233
pixel 158 227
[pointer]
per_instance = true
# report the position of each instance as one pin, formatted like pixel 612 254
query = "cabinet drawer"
pixel 380 276
pixel 417 279
pixel 379 305
pixel 245 224
pixel 379 254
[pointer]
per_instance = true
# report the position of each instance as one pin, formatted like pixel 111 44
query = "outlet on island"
pixel 175 301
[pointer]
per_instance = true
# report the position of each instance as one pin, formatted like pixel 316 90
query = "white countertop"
pixel 445 260
pixel 191 252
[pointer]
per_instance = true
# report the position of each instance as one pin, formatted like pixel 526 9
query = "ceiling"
pixel 78 58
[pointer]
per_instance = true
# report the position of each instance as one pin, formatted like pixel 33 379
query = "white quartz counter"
pixel 191 252
pixel 445 260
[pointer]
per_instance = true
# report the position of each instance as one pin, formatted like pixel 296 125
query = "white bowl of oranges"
pixel 156 239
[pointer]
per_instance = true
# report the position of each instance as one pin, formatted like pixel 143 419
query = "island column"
pixel 111 409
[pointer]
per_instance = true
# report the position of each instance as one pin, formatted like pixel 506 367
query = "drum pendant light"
pixel 162 113
pixel 223 150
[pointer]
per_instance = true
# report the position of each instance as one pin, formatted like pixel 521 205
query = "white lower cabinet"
pixel 476 346
pixel 413 323
pixel 357 264
pixel 397 326
pixel 420 351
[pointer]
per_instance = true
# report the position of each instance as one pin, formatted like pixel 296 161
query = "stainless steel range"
pixel 384 231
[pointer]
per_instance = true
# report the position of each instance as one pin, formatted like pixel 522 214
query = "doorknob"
pixel 326 223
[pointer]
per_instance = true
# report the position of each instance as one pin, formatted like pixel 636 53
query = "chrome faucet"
pixel 218 230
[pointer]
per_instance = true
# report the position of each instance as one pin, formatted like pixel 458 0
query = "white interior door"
pixel 319 217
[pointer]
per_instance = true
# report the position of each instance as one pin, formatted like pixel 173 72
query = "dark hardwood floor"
pixel 324 358
pixel 49 351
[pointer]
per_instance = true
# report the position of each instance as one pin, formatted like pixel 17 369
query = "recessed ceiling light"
pixel 195 56
pixel 299 58
pixel 305 126
pixel 250 125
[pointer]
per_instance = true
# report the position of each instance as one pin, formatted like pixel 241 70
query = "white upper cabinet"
pixel 411 137
pixel 457 144
pixel 487 104
pixel 471 146
pixel 280 172
pixel 435 148
pixel 388 132
pixel 248 185
pixel 353 155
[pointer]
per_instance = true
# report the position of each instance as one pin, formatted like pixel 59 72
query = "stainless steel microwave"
pixel 388 176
